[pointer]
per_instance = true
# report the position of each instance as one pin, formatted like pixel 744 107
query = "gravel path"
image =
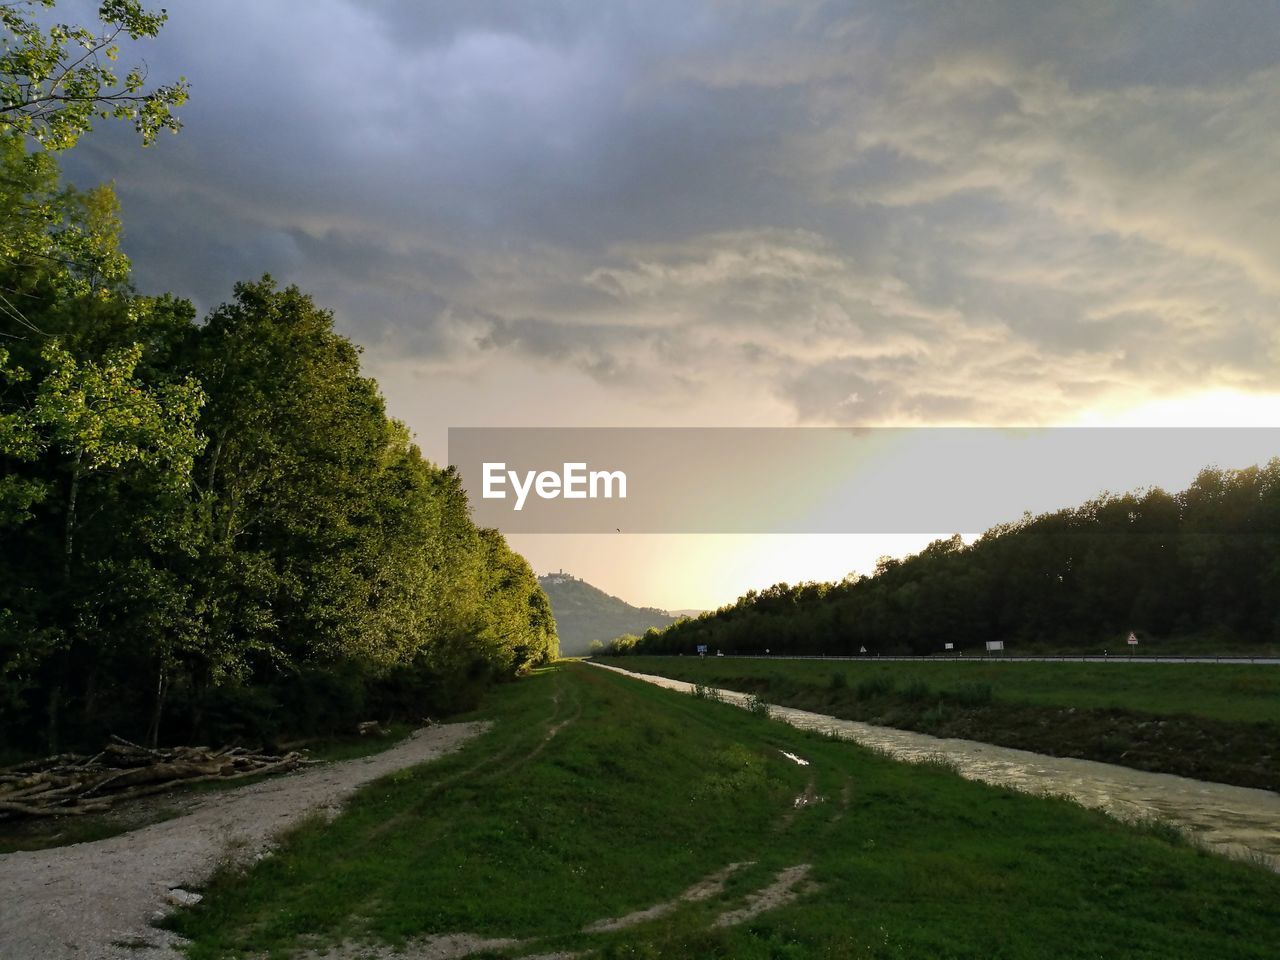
pixel 96 901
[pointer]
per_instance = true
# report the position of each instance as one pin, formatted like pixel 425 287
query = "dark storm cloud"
pixel 990 210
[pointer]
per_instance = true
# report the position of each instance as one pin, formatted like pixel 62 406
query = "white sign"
pixel 863 650
pixel 948 646
pixel 995 644
pixel 1133 639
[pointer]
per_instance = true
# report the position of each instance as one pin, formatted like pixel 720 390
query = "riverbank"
pixel 1241 822
pixel 603 817
pixel 1211 722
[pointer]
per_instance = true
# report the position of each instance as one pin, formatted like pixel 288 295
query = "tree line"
pixel 1203 563
pixel 209 528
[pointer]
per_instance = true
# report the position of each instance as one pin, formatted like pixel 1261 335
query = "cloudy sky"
pixel 732 213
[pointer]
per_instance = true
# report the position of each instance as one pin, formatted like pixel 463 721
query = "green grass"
pixel 641 792
pixel 1232 692
pixel 1216 722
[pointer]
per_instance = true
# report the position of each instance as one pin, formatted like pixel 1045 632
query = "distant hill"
pixel 584 613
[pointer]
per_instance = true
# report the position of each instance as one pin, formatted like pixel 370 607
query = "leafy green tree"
pixel 214 519
pixel 1201 562
pixel 19 442
pixel 98 430
pixel 55 81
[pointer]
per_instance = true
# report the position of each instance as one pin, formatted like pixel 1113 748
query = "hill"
pixel 584 613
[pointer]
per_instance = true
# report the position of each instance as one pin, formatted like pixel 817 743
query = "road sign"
pixel 863 650
pixel 948 646
pixel 1133 639
pixel 995 644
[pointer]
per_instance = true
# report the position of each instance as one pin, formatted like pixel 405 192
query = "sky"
pixel 735 214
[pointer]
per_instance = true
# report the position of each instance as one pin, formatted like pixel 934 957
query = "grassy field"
pixel 594 796
pixel 1210 721
pixel 1233 692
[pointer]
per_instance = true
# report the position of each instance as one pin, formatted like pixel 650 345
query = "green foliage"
pixel 934 716
pixel 55 82
pixel 916 690
pixel 214 528
pixel 876 685
pixel 101 417
pixel 1200 563
pixel 621 646
pixel 971 694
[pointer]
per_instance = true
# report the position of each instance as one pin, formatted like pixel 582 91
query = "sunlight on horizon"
pixel 704 571
pixel 1212 408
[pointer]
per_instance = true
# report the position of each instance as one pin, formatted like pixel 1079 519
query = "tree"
pixel 97 433
pixel 55 82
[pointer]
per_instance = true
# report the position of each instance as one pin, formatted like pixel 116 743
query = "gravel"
pixel 98 901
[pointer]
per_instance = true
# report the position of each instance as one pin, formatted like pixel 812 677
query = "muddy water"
pixel 1239 821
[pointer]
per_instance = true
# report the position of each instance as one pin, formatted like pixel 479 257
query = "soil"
pixel 99 900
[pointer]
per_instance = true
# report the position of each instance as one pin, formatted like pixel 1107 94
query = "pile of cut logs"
pixel 74 783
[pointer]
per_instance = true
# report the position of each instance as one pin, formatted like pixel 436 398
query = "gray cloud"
pixel 991 211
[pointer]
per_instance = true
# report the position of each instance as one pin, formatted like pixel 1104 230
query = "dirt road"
pixel 96 901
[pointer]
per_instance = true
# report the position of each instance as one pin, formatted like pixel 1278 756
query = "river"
pixel 1238 821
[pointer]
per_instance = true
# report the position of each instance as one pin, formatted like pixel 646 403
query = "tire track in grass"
pixel 481 769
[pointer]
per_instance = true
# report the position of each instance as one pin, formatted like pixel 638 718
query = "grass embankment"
pixel 1216 722
pixel 42 833
pixel 594 796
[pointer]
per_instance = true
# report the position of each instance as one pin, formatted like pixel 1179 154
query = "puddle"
pixel 809 798
pixel 1238 821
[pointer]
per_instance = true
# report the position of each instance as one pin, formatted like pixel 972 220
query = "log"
pixel 30 811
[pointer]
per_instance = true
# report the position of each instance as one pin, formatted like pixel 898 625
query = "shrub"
pixel 1164 830
pixel 839 680
pixel 916 690
pixel 972 694
pixel 934 716
pixel 877 685
pixel 236 713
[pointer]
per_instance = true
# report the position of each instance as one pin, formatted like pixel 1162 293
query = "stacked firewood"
pixel 73 783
